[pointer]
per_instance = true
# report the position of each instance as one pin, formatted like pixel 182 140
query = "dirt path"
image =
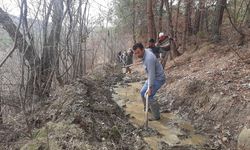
pixel 172 130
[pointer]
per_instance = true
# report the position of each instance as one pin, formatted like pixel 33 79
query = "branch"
pixel 230 19
pixel 15 41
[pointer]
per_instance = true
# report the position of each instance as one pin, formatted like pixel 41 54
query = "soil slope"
pixel 211 87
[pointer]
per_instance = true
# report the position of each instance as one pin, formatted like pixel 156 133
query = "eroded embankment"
pixel 211 87
pixel 81 115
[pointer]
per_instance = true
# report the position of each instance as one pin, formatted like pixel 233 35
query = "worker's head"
pixel 161 35
pixel 138 49
pixel 151 43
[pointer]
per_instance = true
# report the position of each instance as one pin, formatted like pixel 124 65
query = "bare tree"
pixel 26 49
pixel 150 20
pixel 160 15
pixel 187 30
pixel 202 14
pixel 133 25
pixel 50 56
pixel 248 17
pixel 177 18
pixel 198 17
pixel 217 20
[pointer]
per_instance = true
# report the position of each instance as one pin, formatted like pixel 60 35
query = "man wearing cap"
pixel 156 78
pixel 164 45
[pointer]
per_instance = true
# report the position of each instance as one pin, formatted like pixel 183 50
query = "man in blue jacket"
pixel 156 78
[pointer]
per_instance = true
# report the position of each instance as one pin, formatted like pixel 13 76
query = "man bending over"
pixel 156 78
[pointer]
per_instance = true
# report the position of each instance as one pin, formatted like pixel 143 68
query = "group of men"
pixel 161 48
pixel 126 59
pixel 151 59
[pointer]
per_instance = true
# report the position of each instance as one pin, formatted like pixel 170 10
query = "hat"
pixel 161 34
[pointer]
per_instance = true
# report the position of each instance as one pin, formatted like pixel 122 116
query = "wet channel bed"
pixel 172 130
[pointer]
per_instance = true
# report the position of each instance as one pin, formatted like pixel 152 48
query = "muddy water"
pixel 173 130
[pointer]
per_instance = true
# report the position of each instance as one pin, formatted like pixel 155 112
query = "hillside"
pixel 81 115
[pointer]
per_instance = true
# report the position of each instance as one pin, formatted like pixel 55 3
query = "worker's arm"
pixel 135 64
pixel 151 70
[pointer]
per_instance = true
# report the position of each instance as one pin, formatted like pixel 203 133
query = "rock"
pixel 244 139
pixel 127 80
pixel 224 139
pixel 247 85
pixel 217 126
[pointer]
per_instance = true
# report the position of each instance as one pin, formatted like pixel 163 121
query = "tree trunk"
pixel 234 11
pixel 80 44
pixel 133 25
pixel 248 17
pixel 198 18
pixel 26 49
pixel 169 19
pixel 187 7
pixel 177 19
pixel 217 20
pixel 50 56
pixel 150 20
pixel 203 15
pixel 1 114
pixel 160 15
pixel 189 22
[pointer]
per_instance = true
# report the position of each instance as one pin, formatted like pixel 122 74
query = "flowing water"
pixel 173 129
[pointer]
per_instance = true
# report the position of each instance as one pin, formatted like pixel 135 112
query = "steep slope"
pixel 211 87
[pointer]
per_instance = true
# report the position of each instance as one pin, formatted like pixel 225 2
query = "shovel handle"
pixel 146 113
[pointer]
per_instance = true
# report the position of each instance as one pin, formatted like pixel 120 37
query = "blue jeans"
pixel 156 86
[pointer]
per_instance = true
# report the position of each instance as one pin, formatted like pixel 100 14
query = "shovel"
pixel 146 113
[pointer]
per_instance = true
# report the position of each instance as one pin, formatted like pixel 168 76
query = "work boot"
pixel 155 110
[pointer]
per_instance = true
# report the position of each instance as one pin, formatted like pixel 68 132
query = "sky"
pixel 11 6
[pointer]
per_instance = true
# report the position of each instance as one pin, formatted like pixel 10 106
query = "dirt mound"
pixel 210 87
pixel 106 72
pixel 82 115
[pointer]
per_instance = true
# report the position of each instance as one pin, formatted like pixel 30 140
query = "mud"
pixel 172 132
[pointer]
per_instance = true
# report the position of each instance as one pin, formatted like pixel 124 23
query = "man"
pixel 129 60
pixel 154 49
pixel 156 78
pixel 164 45
pixel 119 57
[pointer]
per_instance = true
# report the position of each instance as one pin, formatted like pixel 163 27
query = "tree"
pixel 50 55
pixel 133 25
pixel 39 82
pixel 248 17
pixel 217 20
pixel 150 20
pixel 169 19
pixel 199 17
pixel 177 18
pixel 187 27
pixel 160 15
pixel 28 51
pixel 202 15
